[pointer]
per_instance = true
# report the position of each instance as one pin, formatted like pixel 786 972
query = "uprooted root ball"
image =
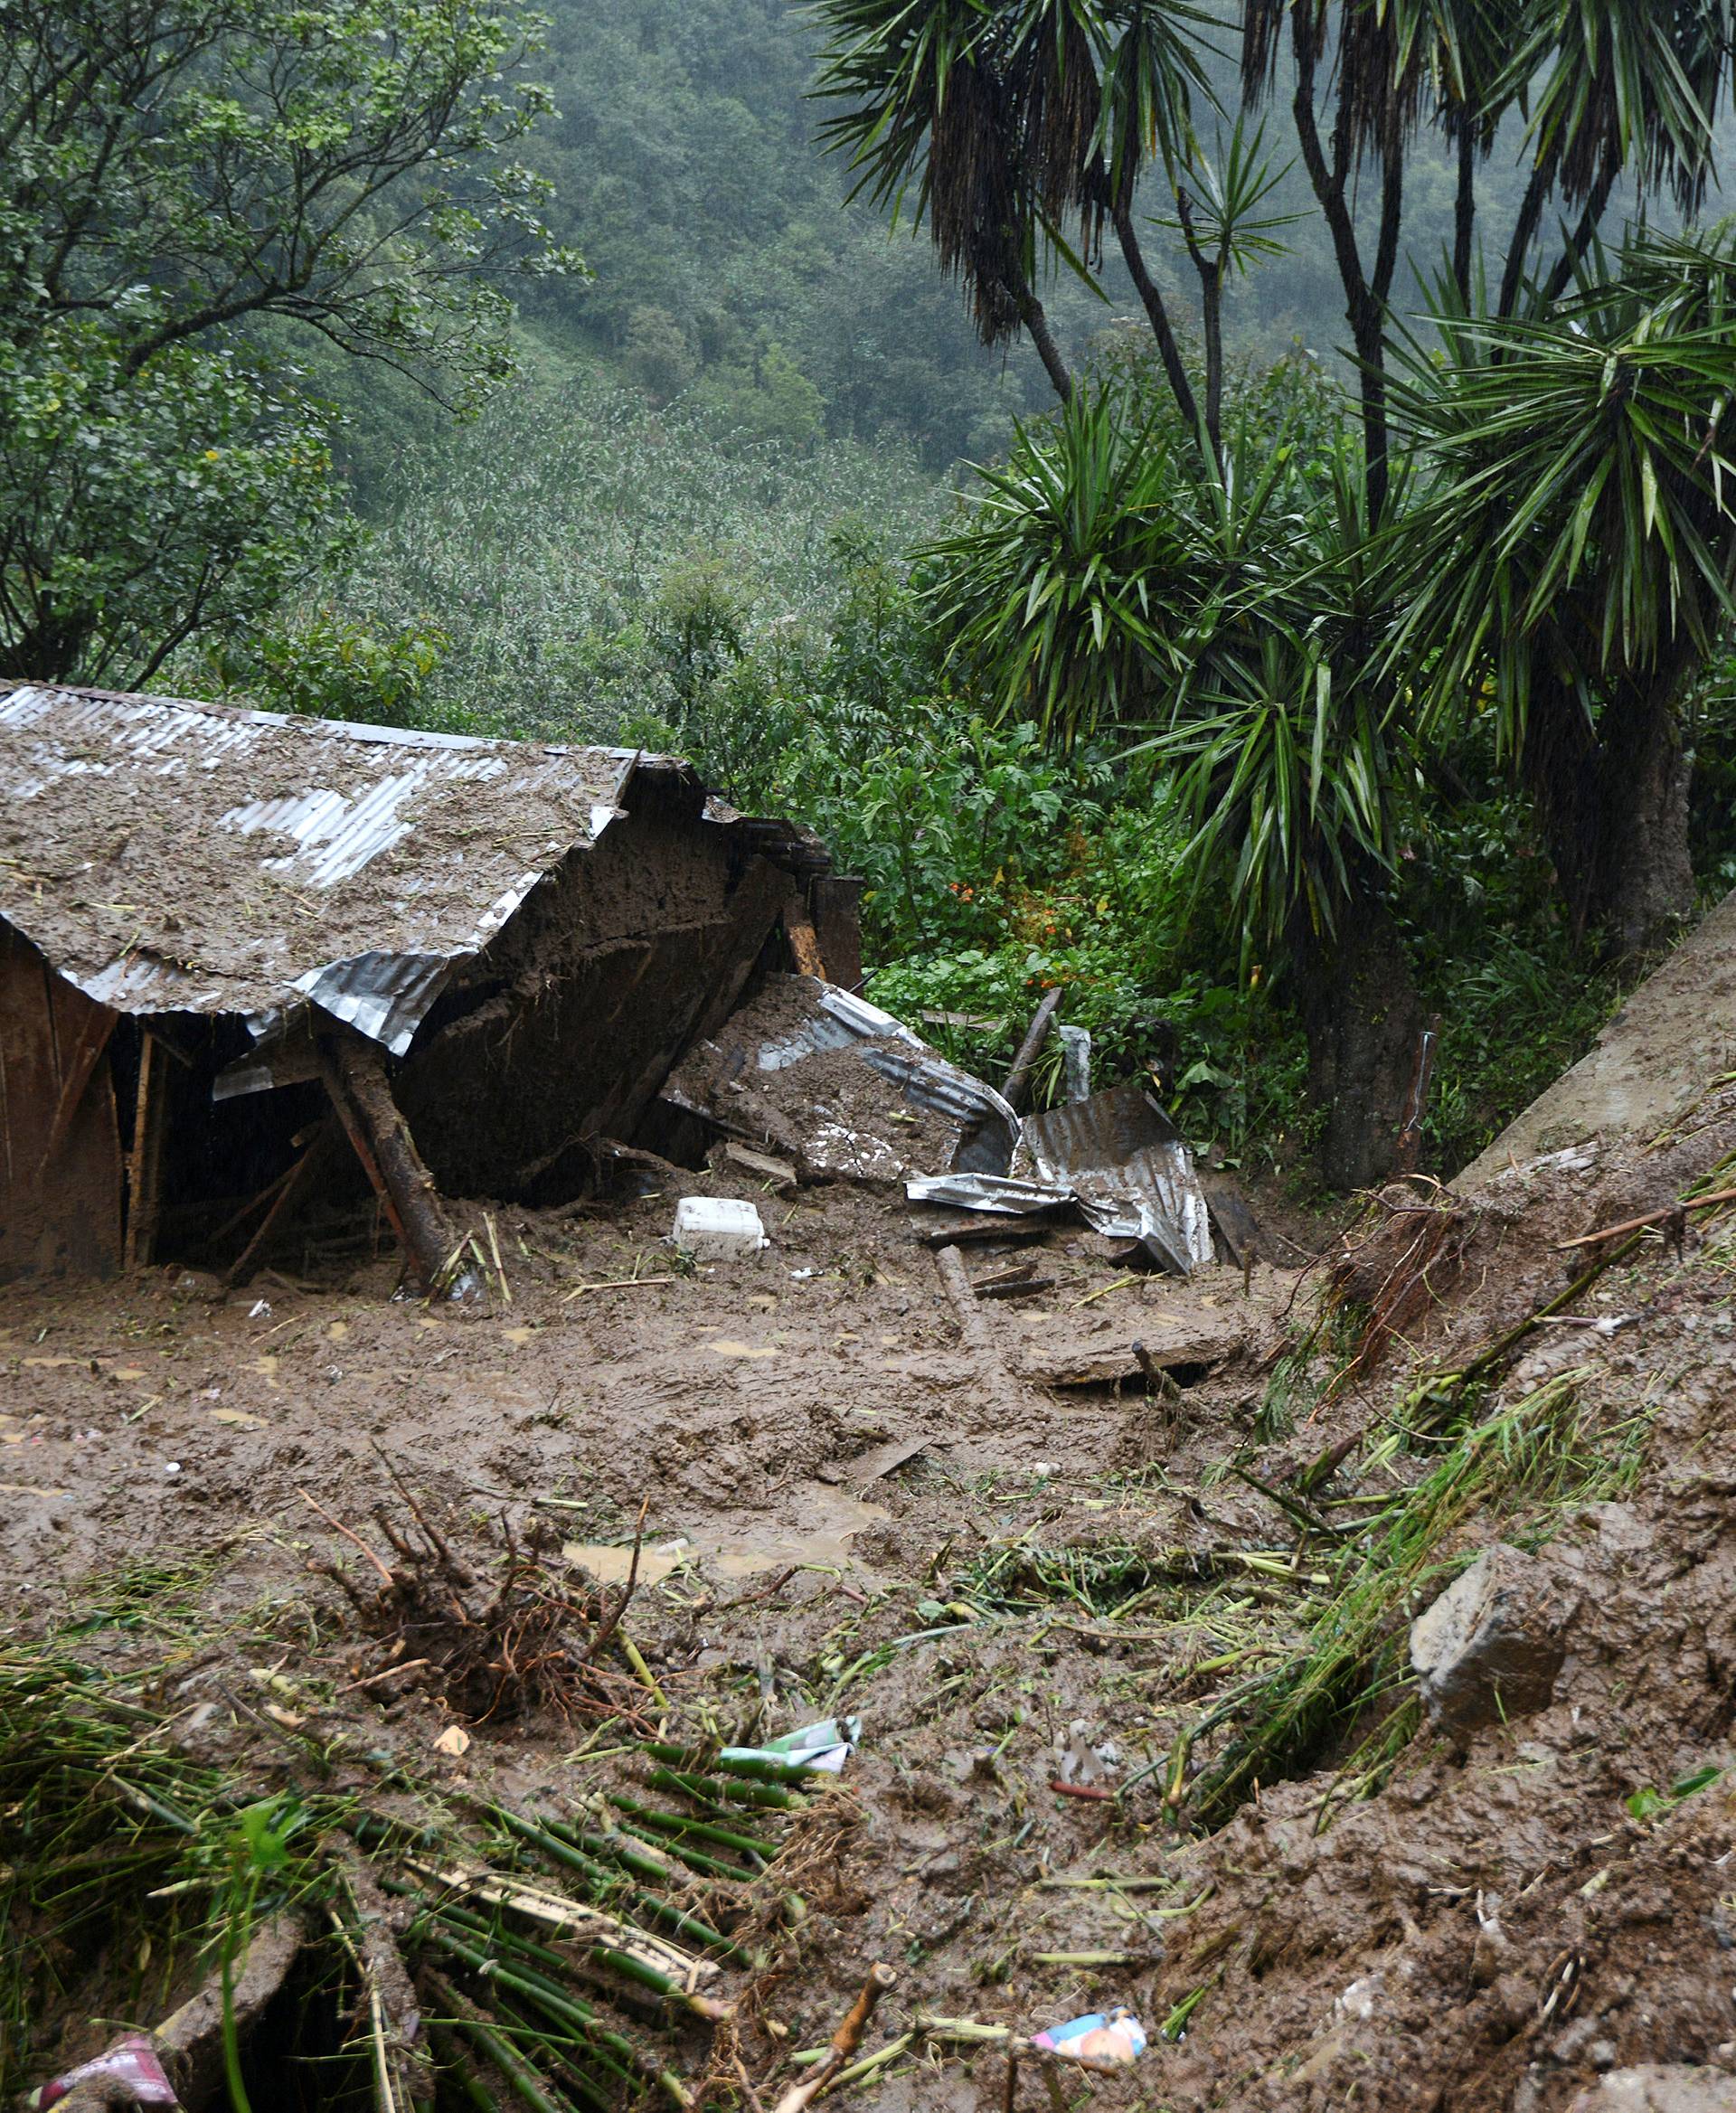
pixel 493 1642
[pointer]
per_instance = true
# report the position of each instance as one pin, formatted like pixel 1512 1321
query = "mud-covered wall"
pixel 60 1142
pixel 571 1021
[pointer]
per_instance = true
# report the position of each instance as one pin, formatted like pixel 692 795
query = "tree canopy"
pixel 185 187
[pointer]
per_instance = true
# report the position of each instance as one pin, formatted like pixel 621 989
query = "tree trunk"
pixel 1464 210
pixel 1031 314
pixel 1613 803
pixel 50 649
pixel 1157 315
pixel 1363 1017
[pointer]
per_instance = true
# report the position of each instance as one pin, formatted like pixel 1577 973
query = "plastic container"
pixel 718 1229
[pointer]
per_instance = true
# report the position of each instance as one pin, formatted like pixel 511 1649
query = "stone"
pixel 1490 1646
pixel 1660 2087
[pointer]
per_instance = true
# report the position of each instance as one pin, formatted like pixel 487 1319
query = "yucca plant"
pixel 1613 86
pixel 1017 131
pixel 1072 587
pixel 1105 578
pixel 1572 557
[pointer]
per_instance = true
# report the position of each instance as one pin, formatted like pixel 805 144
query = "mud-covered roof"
pixel 171 856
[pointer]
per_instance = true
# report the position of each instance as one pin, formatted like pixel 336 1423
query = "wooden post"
pixel 804 942
pixel 1018 1079
pixel 144 1162
pixel 355 1073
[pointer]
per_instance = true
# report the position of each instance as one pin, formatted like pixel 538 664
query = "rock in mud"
pixel 1660 2087
pixel 1490 1647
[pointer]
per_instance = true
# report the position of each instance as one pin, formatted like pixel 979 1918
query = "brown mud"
pixel 844 1514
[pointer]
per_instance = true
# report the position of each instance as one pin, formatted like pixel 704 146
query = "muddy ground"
pixel 846 1509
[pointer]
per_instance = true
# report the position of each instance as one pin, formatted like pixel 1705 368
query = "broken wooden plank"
pixel 883 1460
pixel 1095 1362
pixel 760 1164
pixel 1016 1091
pixel 984 1231
pixel 354 1071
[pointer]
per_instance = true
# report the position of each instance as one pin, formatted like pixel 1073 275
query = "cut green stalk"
pixel 455 2067
pixel 566 2007
pixel 566 2046
pixel 706 1759
pixel 526 2083
pixel 669 1823
pixel 694 1859
pixel 718 1795
pixel 677 1919
pixel 615 1847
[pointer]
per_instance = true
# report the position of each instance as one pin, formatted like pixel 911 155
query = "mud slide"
pixel 1675 1032
pixel 1123 1612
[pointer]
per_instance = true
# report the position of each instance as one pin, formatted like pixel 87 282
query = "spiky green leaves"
pixel 1012 126
pixel 1579 525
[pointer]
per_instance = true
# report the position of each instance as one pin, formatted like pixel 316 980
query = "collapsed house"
pixel 256 969
pixel 244 957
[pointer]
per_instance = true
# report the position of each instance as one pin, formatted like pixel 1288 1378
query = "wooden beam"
pixel 355 1073
pixel 804 942
pixel 144 1162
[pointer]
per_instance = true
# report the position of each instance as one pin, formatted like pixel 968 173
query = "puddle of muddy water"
pixel 826 1521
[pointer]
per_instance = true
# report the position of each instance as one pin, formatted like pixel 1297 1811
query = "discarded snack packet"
pixel 821 1748
pixel 132 2064
pixel 1117 2036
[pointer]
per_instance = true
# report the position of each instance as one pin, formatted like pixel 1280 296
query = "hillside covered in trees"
pixel 653 420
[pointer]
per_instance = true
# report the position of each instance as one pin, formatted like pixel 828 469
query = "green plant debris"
pixel 1536 1455
pixel 131 1868
pixel 1649 1804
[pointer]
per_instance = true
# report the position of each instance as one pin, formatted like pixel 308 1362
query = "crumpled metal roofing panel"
pixel 1132 1174
pixel 841 1020
pixel 169 855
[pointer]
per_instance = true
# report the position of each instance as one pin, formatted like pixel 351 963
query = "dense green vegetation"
pixel 1243 651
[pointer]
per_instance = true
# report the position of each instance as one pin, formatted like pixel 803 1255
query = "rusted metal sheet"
pixel 1133 1176
pixel 170 855
pixel 60 1144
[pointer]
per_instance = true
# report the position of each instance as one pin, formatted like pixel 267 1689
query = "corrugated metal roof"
pixel 167 856
pixel 1133 1176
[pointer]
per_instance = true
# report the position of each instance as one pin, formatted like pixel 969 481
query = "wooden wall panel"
pixel 60 1143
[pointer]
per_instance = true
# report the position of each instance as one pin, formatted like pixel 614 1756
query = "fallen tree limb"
pixel 1018 1079
pixel 1661 1216
pixel 845 2043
